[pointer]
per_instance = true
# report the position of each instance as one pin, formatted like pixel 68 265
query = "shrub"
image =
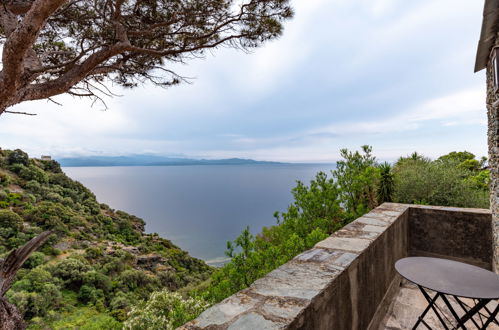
pixel 36 259
pixel 35 294
pixel 436 183
pixel 33 173
pixel 71 271
pixel 51 166
pixel 97 280
pixel 134 279
pixel 93 252
pixel 5 179
pixel 356 176
pixel 164 310
pixel 10 223
pixel 89 294
pixel 18 157
pixel 50 215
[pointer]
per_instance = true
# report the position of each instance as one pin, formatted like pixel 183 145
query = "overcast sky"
pixel 397 75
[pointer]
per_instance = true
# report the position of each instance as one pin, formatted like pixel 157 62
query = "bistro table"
pixel 453 279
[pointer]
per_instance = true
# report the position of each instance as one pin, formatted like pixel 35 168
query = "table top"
pixel 450 277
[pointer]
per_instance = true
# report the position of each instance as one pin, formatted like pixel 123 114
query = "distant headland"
pixel 152 160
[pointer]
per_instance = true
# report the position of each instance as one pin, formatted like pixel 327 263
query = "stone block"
pixel 253 321
pixel 296 280
pixel 341 261
pixel 316 255
pixel 373 221
pixel 226 310
pixel 283 308
pixel 375 229
pixel 345 244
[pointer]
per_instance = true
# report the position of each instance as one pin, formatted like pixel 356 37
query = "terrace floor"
pixel 409 303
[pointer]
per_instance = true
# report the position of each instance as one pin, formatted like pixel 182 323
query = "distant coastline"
pixel 149 160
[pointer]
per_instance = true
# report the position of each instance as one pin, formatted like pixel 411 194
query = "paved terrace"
pixel 348 281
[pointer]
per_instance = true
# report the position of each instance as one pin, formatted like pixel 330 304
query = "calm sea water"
pixel 199 208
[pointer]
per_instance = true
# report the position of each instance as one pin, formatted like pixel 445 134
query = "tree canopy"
pixel 51 47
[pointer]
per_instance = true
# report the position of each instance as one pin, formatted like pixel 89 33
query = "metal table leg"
pixel 470 312
pixel 431 305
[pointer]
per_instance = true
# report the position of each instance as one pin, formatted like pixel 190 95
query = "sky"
pixel 396 75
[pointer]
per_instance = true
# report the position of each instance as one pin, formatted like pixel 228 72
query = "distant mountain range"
pixel 151 160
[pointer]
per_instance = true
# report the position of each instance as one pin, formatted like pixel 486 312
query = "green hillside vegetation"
pixel 96 265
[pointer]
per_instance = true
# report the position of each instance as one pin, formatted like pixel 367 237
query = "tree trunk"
pixel 10 318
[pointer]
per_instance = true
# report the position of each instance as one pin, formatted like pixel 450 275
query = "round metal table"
pixel 455 279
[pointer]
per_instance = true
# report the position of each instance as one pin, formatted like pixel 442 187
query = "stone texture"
pixel 454 234
pixel 282 308
pixel 493 143
pixel 252 321
pixel 346 244
pixel 316 255
pixel 226 310
pixel 373 221
pixel 375 229
pixel 296 280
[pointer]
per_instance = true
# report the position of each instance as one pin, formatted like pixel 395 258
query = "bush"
pixel 34 173
pixel 18 157
pixel 97 280
pixel 36 259
pixel 71 271
pixel 356 176
pixel 5 179
pixel 164 310
pixel 93 252
pixel 134 279
pixel 89 294
pixel 10 223
pixel 36 293
pixel 436 183
pixel 50 215
pixel 51 166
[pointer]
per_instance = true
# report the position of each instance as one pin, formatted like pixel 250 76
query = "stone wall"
pixel 347 280
pixel 453 233
pixel 493 142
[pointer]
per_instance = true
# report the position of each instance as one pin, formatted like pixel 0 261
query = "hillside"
pixel 98 262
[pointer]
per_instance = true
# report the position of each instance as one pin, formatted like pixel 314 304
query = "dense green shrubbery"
pixel 455 179
pixel 164 311
pixel 17 157
pixel 82 277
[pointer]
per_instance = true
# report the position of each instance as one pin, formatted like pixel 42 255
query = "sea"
pixel 199 207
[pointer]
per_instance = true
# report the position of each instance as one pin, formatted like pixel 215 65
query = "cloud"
pixel 460 108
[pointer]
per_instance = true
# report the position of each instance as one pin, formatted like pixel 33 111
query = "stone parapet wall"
pixel 346 280
pixel 453 233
